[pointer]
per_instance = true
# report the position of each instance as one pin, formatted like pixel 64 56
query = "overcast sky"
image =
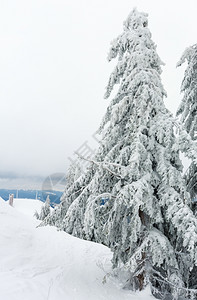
pixel 53 72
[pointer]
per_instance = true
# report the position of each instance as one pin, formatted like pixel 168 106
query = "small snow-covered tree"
pixel 72 177
pixel 133 198
pixel 36 215
pixel 188 111
pixel 45 210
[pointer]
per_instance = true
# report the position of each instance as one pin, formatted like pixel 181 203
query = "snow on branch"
pixel 185 143
pixel 103 164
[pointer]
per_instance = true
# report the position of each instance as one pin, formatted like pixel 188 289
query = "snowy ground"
pixel 44 264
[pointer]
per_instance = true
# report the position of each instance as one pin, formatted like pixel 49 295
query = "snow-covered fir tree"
pixel 45 210
pixel 36 215
pixel 188 111
pixel 188 107
pixel 133 197
pixel 74 173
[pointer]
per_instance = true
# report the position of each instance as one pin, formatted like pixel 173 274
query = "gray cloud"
pixel 54 71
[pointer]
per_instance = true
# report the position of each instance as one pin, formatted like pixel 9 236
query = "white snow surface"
pixel 45 264
pixel 28 206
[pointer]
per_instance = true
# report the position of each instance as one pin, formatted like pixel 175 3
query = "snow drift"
pixel 45 264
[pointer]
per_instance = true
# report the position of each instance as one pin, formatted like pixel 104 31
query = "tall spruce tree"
pixel 133 197
pixel 188 111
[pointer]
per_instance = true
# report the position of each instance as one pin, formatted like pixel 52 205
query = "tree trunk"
pixel 141 276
